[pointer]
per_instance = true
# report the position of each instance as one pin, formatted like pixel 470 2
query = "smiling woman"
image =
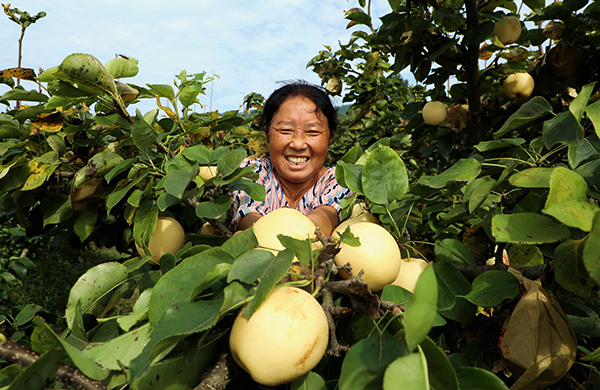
pixel 299 121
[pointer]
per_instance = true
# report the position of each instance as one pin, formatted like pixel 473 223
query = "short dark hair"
pixel 314 93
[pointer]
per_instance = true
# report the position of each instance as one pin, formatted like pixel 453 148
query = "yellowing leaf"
pixel 36 177
pixel 19 73
pixel 167 110
pixel 48 122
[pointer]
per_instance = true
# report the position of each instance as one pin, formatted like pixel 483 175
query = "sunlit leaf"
pixel 567 200
pixel 122 67
pixel 421 309
pixel 492 287
pixel 19 73
pixel 528 228
pixel 384 178
pixel 532 178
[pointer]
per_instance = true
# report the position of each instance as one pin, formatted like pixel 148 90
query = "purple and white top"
pixel 326 191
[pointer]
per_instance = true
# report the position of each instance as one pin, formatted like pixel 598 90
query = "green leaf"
pixel 180 319
pixel 410 370
pixel 451 286
pixel 42 370
pixel 220 271
pixel 119 168
pixel 525 255
pixel 177 181
pixel 567 200
pixel 478 191
pixel 97 166
pixel 272 274
pixel 531 110
pixel 473 378
pixel 590 171
pixel 591 252
pixel 441 373
pixel 421 309
pixel 26 314
pixel 122 67
pixel 384 176
pixel 144 223
pixel 499 144
pixel 85 221
pixel 463 170
pixel 256 191
pixel 213 209
pixel 240 243
pixel 178 284
pixel 528 228
pixel 492 287
pixel 453 250
pixel 199 153
pixel 230 162
pixel 92 286
pixel 142 133
pixel 117 196
pixel 302 248
pixel 569 267
pixel 475 36
pixel 86 71
pixel 593 112
pixel 162 90
pixel 25 96
pixel 365 364
pixel 119 351
pixel 349 176
pixel 189 93
pixel 310 381
pixel 577 106
pixel 56 209
pixel 563 128
pixel 532 178
pixel 588 148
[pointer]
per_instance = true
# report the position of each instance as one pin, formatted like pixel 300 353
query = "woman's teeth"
pixel 297 160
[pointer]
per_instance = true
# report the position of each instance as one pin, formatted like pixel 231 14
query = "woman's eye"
pixel 314 133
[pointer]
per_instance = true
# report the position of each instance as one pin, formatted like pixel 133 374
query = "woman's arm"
pixel 248 220
pixel 324 217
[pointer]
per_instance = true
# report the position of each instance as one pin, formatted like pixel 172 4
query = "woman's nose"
pixel 298 139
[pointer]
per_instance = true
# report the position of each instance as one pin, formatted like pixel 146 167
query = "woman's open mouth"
pixel 297 160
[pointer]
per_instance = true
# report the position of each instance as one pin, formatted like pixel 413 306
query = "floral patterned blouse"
pixel 326 191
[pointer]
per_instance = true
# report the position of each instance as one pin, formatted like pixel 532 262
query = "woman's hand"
pixel 324 217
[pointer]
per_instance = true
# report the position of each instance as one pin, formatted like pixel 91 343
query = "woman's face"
pixel 298 141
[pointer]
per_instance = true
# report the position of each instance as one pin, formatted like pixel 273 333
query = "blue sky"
pixel 251 45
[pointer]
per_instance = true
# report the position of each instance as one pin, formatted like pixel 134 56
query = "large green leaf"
pixel 593 112
pixel 528 228
pixel 122 67
pixel 591 252
pixel 421 309
pixel 272 274
pixel 36 375
pixel 22 95
pixel 179 319
pixel 453 250
pixel 121 349
pixel 567 200
pixel 85 222
pixel 349 176
pixel 86 71
pixel 142 133
pixel 563 128
pixel 178 180
pixel 409 370
pixel 478 191
pixel 441 373
pixel 92 286
pixel 310 381
pixel 384 176
pixel 364 366
pixel 530 111
pixel 492 287
pixel 97 166
pixel 588 148
pixel 123 189
pixel 532 178
pixel 254 190
pixel 213 209
pixel 463 170
pixel 56 209
pixel 452 285
pixel 230 162
pixel 578 105
pixel 240 243
pixel 180 282
pixel 473 378
pixel 569 268
pixel 590 171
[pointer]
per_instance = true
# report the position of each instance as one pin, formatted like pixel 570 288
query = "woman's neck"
pixel 295 191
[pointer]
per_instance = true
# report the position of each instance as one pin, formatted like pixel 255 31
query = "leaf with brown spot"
pixel 49 122
pixel 19 73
